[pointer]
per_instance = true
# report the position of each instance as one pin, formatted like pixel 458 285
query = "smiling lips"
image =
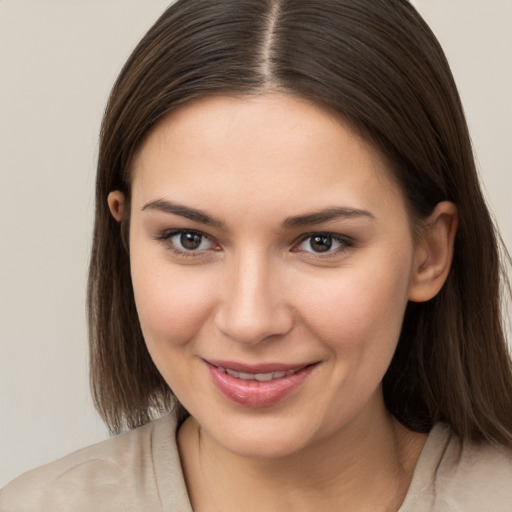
pixel 259 386
pixel 260 377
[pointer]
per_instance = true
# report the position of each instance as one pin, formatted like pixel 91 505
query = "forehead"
pixel 218 121
pixel 271 146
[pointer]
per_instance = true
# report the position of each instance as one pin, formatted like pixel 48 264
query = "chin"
pixel 264 447
pixel 263 438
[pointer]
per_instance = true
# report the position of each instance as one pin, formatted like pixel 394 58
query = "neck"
pixel 367 465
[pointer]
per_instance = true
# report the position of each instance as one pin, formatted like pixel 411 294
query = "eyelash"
pixel 166 238
pixel 344 242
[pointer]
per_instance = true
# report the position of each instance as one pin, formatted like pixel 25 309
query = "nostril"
pixel 253 327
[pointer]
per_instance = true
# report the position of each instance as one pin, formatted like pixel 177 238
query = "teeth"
pixel 264 377
pixel 261 377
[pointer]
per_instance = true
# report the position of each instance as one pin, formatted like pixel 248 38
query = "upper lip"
pixel 258 368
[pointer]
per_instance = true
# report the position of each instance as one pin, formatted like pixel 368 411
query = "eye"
pixel 191 241
pixel 323 243
pixel 186 241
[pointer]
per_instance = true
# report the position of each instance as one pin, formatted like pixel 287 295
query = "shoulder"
pixel 455 475
pixel 478 476
pixel 121 473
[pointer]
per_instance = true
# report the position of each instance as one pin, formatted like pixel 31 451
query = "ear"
pixel 434 253
pixel 116 202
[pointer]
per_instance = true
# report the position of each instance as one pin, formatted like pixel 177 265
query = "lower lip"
pixel 253 393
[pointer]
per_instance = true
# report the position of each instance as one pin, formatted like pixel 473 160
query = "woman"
pixel 291 254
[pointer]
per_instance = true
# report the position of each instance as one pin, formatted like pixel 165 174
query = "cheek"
pixel 173 305
pixel 172 302
pixel 361 311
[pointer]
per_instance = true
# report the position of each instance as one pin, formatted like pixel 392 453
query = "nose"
pixel 253 306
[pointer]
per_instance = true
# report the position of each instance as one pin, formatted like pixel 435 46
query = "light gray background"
pixel 58 60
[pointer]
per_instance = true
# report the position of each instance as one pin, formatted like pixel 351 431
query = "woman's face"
pixel 271 257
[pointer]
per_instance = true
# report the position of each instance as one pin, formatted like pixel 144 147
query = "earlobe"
pixel 116 204
pixel 434 253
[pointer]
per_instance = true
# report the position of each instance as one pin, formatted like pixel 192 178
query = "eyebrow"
pixel 325 215
pixel 307 219
pixel 183 211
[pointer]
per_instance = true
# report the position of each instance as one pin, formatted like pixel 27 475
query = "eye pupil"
pixel 190 241
pixel 321 243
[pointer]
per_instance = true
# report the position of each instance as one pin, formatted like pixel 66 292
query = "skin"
pixel 258 291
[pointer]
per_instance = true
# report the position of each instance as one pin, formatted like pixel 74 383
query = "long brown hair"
pixel 377 64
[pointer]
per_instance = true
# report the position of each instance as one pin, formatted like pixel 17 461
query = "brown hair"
pixel 377 64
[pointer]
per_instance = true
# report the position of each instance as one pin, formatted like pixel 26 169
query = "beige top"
pixel 140 471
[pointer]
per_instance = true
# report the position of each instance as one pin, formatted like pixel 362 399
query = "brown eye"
pixel 320 243
pixel 184 241
pixel 323 243
pixel 191 241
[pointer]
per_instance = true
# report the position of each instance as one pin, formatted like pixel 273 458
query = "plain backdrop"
pixel 58 60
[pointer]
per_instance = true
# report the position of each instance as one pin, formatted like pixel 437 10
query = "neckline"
pixel 173 490
pixel 426 467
